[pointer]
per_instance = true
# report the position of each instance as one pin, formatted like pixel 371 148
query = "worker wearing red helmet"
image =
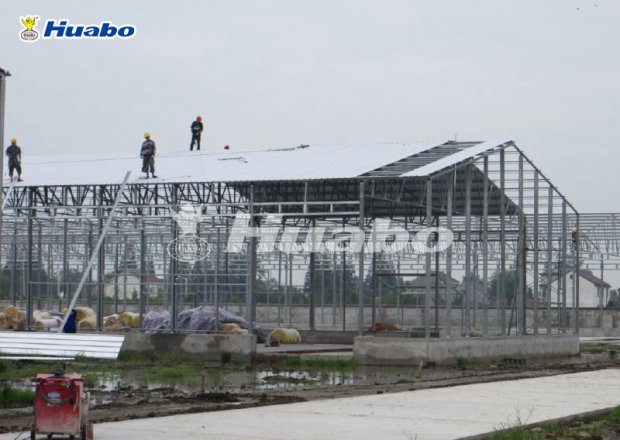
pixel 196 129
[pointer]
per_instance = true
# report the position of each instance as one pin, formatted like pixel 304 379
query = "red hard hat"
pixel 199 118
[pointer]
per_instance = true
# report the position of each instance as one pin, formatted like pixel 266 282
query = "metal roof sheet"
pixel 474 151
pixel 296 163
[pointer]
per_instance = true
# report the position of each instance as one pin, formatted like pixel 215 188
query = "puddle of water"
pixel 229 380
pixel 284 379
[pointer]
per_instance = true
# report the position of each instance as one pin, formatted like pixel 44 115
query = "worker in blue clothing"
pixel 196 129
pixel 14 153
pixel 70 325
pixel 147 153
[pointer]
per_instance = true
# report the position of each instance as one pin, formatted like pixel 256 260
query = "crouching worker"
pixel 70 325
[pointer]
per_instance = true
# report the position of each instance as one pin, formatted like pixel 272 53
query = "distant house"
pixel 419 284
pixel 129 284
pixel 478 292
pixel 593 292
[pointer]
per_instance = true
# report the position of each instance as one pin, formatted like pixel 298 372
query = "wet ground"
pixel 141 390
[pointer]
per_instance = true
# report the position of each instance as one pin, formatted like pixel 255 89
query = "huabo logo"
pixel 64 29
pixel 29 33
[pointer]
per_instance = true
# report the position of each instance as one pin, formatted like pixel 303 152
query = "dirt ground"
pixel 131 402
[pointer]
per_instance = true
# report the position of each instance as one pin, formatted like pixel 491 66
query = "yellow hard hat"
pixel 147 134
pixel 13 140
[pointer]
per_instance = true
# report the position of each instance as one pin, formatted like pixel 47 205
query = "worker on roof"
pixel 14 153
pixel 147 153
pixel 574 234
pixel 196 129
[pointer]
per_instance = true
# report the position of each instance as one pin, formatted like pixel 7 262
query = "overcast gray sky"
pixel 545 73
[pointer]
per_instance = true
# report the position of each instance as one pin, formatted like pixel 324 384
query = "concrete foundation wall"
pixel 204 346
pixel 592 321
pixel 370 350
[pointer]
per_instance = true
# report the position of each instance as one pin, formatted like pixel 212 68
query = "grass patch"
pixel 173 374
pixel 593 427
pixel 614 415
pixel 19 370
pixel 90 378
pixel 518 433
pixel 594 347
pixel 468 363
pixel 135 357
pixel 613 354
pixel 226 357
pixel 10 397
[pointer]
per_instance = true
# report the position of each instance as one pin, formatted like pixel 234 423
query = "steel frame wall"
pixel 504 214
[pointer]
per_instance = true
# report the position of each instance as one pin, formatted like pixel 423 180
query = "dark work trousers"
pixel 148 162
pixel 15 165
pixel 196 139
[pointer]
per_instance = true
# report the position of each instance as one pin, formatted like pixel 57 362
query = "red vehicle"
pixel 61 406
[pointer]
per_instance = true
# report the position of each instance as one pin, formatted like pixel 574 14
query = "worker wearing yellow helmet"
pixel 147 153
pixel 14 153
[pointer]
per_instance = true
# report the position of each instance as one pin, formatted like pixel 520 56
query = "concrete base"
pixel 326 336
pixel 205 346
pixel 370 350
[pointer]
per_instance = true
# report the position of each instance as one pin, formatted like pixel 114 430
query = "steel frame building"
pixel 504 214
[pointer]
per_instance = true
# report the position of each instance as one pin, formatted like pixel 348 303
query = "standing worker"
pixel 14 154
pixel 147 153
pixel 196 129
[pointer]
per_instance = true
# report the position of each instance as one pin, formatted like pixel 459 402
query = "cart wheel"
pixel 83 432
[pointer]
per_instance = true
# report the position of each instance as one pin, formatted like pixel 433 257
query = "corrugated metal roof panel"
pixel 455 158
pixel 297 163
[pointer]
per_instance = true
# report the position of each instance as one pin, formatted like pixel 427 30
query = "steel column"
pixel 31 214
pixel 535 250
pixel 549 257
pixel 502 239
pixel 360 279
pixel 427 298
pixel 520 296
pixel 563 267
pixel 450 196
pixel 143 270
pixel 468 271
pixel 485 246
